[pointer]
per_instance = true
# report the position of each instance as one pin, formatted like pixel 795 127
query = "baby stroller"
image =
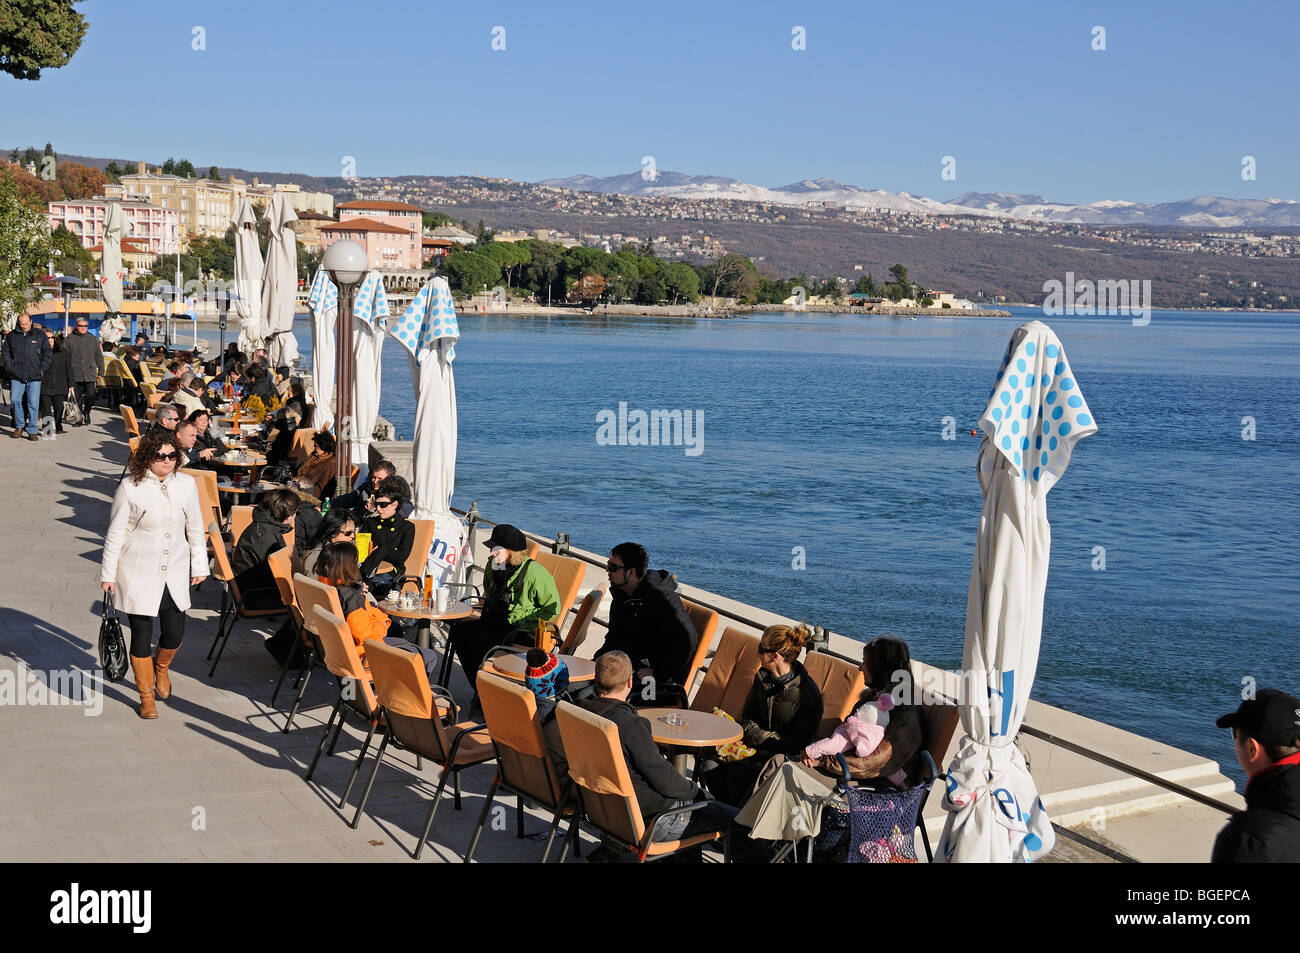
pixel 878 826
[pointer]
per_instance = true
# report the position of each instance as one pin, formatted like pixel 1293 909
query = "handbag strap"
pixel 108 606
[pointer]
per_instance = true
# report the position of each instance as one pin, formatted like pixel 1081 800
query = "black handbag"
pixel 112 644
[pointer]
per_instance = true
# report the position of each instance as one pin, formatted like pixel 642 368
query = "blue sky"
pixel 1012 90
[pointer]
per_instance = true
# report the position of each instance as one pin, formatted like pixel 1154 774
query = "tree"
pixel 681 281
pixel 24 248
pixel 74 258
pixel 899 274
pixel 49 150
pixel 37 35
pixel 542 272
pixel 509 256
pixel 79 181
pixel 723 271
pixel 169 167
pixel 482 234
pixel 214 173
pixel 113 171
pixel 185 169
pixel 622 276
pixel 470 271
pixel 437 219
pixel 31 156
pixel 587 289
pixel 867 286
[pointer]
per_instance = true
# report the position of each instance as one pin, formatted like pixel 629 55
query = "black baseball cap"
pixel 1271 717
pixel 508 537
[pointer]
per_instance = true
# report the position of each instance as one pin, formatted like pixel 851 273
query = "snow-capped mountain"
pixel 1199 212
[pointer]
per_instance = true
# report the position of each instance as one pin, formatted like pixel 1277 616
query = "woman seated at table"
pixel 316 475
pixel 337 566
pixel 273 517
pixel 780 715
pixel 517 593
pixel 205 439
pixel 895 762
pixel 336 526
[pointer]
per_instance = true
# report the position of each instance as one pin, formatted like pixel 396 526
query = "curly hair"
pixel 149 445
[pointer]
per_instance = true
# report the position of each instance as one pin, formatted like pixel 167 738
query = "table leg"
pixel 422 634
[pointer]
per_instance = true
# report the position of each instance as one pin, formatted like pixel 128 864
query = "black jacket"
pixel 249 560
pixel 781 716
pixel 87 357
pixel 58 376
pixel 658 785
pixel 1268 831
pixel 652 627
pixel 390 541
pixel 27 354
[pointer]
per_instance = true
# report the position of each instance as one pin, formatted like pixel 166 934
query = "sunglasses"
pixel 615 567
pixel 384 502
pixel 83 326
pixel 349 533
pixel 174 455
pixel 763 651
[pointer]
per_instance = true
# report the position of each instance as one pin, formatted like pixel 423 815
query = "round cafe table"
pixel 513 666
pixel 426 617
pixel 700 730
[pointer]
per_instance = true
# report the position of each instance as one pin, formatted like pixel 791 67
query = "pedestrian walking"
pixel 87 366
pixel 154 552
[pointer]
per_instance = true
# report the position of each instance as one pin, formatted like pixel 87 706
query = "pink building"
pixel 388 247
pixel 149 226
pixel 395 252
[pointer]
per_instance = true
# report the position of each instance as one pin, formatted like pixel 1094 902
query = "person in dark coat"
pixel 272 519
pixel 87 366
pixel 648 621
pixel 658 785
pixel 781 714
pixel 391 536
pixel 1266 738
pixel 55 383
pixel 27 357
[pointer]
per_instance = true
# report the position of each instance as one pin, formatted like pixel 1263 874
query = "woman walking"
pixel 154 552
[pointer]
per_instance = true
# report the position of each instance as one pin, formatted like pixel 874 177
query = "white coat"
pixel 155 539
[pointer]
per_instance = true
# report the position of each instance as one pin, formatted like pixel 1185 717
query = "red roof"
pixel 364 225
pixel 130 246
pixel 437 242
pixel 362 205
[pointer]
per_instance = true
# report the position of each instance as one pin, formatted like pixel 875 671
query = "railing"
pixel 821 643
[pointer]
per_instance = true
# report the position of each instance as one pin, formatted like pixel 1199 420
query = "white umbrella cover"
pixel 323 301
pixel 248 278
pixel 370 313
pixel 111 265
pixel 280 283
pixel 429 331
pixel 1033 419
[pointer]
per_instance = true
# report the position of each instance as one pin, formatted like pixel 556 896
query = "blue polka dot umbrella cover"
pixel 1036 411
pixel 1034 417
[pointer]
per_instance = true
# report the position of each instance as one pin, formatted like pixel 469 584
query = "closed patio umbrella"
pixel 248 278
pixel 111 265
pixel 280 283
pixel 1034 417
pixel 429 331
pixel 370 311
pixel 323 301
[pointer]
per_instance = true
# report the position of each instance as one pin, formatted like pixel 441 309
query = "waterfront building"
pixel 452 233
pixel 153 227
pixel 136 257
pixel 434 249
pixel 388 247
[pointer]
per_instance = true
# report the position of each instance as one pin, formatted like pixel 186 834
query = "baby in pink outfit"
pixel 861 732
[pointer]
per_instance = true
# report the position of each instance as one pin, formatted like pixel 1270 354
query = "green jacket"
pixel 535 596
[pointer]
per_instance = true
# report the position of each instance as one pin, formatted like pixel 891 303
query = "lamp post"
pixel 345 262
pixel 66 284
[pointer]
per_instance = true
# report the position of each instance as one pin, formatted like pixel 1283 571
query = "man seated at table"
pixel 658 785
pixel 273 517
pixel 166 418
pixel 186 395
pixel 391 539
pixel 187 436
pixel 648 621
pixel 361 499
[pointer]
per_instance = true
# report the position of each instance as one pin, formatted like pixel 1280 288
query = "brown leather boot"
pixel 143 670
pixel 162 681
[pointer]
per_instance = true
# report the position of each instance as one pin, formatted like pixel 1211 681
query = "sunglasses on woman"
pixel 174 455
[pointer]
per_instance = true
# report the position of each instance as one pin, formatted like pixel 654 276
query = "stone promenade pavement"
pixel 213 778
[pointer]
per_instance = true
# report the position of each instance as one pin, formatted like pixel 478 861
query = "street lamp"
pixel 66 284
pixel 345 262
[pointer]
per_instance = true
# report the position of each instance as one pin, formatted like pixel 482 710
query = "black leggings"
pixel 170 618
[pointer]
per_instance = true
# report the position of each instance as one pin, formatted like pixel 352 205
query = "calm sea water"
pixel 825 432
